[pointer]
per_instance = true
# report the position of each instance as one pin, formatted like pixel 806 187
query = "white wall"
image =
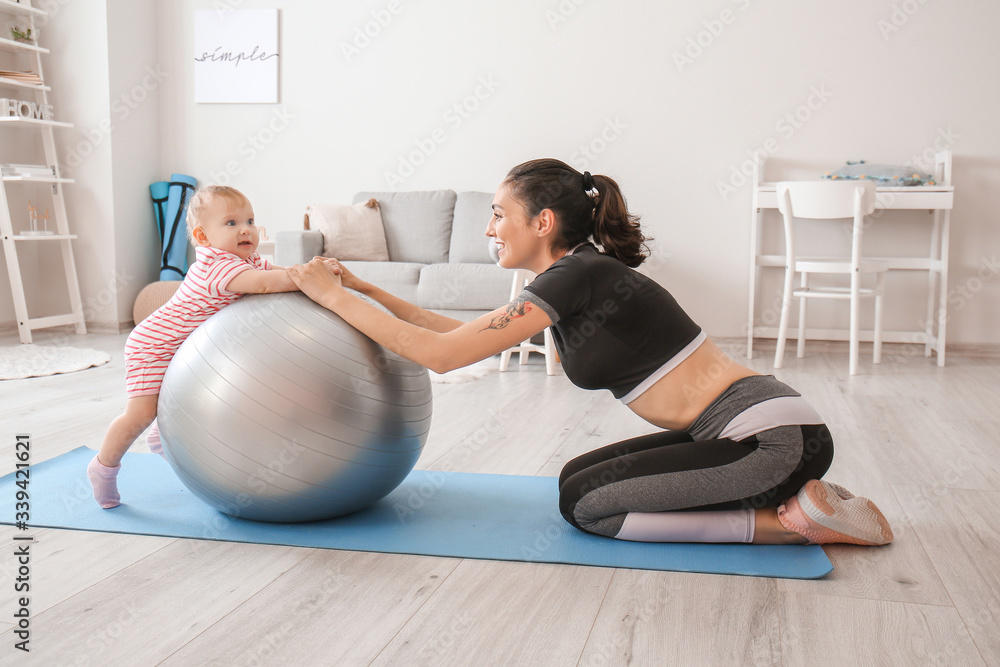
pixel 135 78
pixel 886 80
pixel 77 35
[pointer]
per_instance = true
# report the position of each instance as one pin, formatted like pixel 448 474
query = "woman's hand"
pixel 346 277
pixel 317 279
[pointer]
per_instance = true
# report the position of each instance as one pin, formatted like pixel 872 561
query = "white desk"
pixel 936 199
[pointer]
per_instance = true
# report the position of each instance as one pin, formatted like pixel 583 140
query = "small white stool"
pixel 521 278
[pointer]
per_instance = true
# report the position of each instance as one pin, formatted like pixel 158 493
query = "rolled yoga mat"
pixel 432 513
pixel 170 200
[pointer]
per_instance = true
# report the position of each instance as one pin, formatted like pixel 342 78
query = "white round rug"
pixel 26 361
pixel 468 373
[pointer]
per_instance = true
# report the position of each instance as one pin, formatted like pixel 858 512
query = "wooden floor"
pixel 922 441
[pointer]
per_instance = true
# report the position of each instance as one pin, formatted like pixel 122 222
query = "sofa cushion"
pixel 464 286
pixel 349 232
pixel 397 278
pixel 417 224
pixel 468 231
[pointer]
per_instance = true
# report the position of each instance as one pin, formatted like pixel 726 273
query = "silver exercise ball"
pixel 275 409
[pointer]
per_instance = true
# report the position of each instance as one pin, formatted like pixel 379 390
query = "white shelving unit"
pixel 30 53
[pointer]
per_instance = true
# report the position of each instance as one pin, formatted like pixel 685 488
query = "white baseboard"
pixel 736 346
pixel 8 328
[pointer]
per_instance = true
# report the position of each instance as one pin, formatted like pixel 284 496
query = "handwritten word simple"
pixel 235 58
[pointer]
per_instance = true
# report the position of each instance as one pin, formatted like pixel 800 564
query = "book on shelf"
pixel 26 170
pixel 21 77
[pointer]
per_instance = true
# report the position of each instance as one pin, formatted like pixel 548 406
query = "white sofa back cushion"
pixel 417 224
pixel 468 231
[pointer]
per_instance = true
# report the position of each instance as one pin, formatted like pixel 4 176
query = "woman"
pixel 742 454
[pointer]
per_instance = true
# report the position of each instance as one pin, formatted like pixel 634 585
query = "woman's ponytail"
pixel 615 229
pixel 586 207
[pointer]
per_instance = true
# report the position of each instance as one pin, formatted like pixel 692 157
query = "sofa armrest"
pixel 297 247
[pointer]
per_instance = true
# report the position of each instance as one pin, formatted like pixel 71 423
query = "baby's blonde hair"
pixel 201 198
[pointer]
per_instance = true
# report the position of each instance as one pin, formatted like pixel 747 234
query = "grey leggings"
pixel 755 446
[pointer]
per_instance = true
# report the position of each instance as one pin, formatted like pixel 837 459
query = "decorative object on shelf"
pixel 170 199
pixel 30 78
pixel 236 56
pixel 27 170
pixel 25 109
pixel 34 220
pixel 20 31
pixel 883 174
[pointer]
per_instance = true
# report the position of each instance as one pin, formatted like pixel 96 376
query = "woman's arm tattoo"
pixel 516 308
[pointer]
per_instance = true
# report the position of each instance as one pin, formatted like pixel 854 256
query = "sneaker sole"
pixel 857 519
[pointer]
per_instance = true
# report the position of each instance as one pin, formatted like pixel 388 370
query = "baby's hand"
pixel 315 279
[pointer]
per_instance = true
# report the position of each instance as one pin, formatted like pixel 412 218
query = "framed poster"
pixel 236 56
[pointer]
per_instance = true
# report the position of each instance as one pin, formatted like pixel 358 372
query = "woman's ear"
pixel 546 222
pixel 198 234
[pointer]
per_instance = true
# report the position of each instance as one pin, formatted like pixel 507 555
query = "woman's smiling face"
pixel 512 231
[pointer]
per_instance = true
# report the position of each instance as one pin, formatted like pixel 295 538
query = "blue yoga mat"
pixel 462 515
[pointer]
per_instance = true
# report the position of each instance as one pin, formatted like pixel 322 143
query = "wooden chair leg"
pixel 520 279
pixel 786 305
pixel 800 344
pixel 523 356
pixel 504 360
pixel 877 353
pixel 855 309
pixel 550 353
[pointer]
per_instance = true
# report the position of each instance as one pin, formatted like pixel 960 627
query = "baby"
pixel 220 221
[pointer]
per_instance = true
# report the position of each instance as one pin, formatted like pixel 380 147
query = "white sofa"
pixel 439 255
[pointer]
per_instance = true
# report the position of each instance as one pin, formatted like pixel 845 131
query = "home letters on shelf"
pixel 25 109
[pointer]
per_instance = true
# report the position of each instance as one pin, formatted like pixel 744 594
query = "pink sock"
pixel 105 483
pixel 153 440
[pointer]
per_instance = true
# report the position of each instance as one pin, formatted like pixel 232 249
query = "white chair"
pixel 521 278
pixel 827 200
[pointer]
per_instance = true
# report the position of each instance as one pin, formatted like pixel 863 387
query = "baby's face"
pixel 229 226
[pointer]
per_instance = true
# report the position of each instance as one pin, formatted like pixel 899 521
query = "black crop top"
pixel 614 327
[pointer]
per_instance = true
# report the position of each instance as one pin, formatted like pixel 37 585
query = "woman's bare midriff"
pixel 682 394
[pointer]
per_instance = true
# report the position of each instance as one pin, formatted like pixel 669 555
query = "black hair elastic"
pixel 588 181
